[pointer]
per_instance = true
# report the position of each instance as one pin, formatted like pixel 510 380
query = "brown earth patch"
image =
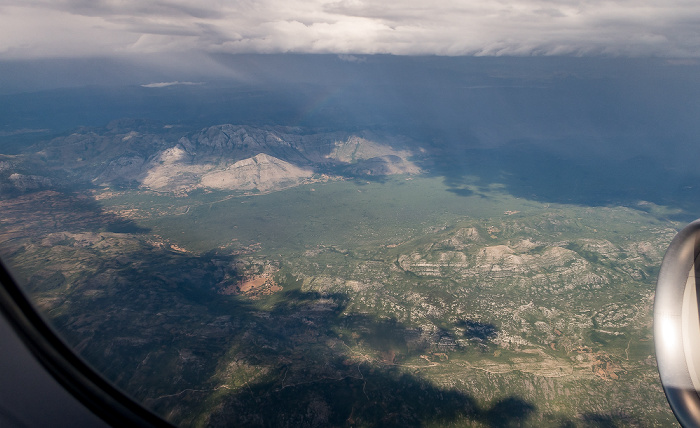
pixel 605 369
pixel 256 286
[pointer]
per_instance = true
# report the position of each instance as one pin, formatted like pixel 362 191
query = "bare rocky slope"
pixel 230 157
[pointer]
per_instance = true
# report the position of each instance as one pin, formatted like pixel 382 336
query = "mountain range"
pixel 165 158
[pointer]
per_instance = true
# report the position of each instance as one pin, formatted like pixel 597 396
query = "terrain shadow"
pixel 153 320
pixel 609 420
pixel 478 330
pixel 326 367
pixel 51 211
pixel 374 398
pixel 532 172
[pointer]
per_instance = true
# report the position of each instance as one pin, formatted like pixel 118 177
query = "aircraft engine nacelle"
pixel 677 325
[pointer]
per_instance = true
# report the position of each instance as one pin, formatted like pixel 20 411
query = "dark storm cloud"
pixel 134 8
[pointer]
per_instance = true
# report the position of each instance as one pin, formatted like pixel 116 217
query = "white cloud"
pixel 351 58
pixel 164 84
pixel 38 28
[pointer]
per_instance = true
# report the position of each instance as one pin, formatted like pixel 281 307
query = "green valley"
pixel 353 301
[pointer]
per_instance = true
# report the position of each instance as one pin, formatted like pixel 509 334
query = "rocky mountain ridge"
pixel 230 157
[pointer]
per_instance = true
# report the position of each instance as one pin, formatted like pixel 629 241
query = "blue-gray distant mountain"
pixel 231 157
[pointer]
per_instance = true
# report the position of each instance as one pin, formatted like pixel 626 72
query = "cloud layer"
pixel 166 84
pixel 48 28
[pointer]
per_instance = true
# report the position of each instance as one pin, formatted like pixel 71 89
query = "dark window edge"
pixel 73 373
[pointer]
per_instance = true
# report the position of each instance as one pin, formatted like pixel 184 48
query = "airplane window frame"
pixel 101 397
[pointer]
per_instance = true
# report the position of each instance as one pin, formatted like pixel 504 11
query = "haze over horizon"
pixel 607 80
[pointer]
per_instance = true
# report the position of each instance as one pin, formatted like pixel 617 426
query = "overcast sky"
pixel 59 28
